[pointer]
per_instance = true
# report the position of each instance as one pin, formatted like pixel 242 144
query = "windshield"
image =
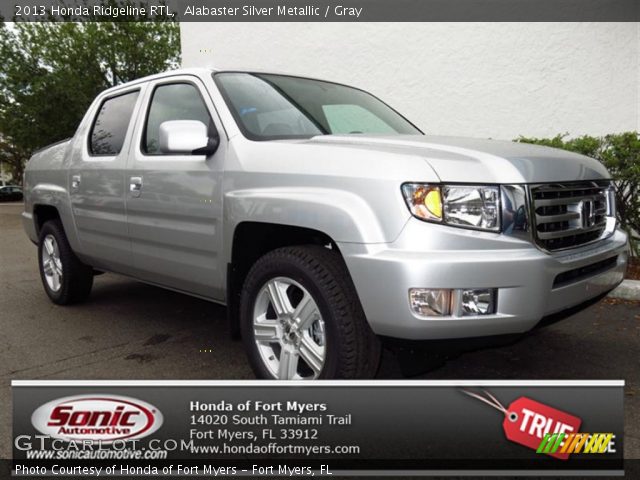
pixel 270 107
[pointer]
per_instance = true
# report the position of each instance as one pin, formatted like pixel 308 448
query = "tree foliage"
pixel 13 160
pixel 52 71
pixel 620 153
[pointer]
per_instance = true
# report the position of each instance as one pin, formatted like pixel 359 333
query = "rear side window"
pixel 111 125
pixel 176 101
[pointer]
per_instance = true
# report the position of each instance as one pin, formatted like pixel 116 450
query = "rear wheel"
pixel 64 277
pixel 301 318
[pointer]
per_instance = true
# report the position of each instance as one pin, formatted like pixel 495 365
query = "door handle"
pixel 135 186
pixel 75 182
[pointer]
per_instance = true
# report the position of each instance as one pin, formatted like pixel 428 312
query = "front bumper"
pixel 437 256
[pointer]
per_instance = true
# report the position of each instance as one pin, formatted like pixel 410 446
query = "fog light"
pixel 430 302
pixel 478 302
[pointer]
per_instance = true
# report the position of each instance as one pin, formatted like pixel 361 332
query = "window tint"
pixel 354 119
pixel 112 122
pixel 177 101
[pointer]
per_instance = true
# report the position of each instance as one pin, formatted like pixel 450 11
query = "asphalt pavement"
pixel 129 330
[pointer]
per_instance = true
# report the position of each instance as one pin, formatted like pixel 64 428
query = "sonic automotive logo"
pixel 104 418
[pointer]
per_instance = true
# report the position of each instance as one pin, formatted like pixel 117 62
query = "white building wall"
pixel 497 80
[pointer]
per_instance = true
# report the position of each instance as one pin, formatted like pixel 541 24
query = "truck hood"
pixel 469 160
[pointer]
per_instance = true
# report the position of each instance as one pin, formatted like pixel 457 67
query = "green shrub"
pixel 620 153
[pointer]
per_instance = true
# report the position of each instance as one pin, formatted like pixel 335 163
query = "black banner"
pixel 321 428
pixel 323 10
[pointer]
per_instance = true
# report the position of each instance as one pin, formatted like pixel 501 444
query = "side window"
pixel 111 124
pixel 176 101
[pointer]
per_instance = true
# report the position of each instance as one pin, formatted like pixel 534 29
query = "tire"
pixel 311 281
pixel 56 260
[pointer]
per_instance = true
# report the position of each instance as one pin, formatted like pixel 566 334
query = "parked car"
pixel 10 193
pixel 322 218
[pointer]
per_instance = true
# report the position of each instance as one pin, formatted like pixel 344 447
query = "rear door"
pixel 97 182
pixel 174 202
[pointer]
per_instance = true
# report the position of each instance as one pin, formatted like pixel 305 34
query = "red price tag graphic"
pixel 526 421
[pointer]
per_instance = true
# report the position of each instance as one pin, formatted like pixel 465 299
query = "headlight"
pixel 469 206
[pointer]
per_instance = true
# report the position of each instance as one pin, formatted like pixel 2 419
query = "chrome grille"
pixel 567 215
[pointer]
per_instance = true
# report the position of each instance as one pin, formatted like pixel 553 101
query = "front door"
pixel 174 202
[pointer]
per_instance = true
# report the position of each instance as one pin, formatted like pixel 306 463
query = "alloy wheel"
pixel 289 330
pixel 51 263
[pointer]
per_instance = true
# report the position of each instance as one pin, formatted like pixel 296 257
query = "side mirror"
pixel 187 137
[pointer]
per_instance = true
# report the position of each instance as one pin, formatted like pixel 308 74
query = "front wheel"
pixel 301 318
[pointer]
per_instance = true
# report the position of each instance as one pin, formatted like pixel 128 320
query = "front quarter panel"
pixel 342 215
pixel 347 193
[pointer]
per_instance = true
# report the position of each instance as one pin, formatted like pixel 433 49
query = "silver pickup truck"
pixel 322 218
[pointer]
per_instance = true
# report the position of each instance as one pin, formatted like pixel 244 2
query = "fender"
pixel 344 216
pixel 46 184
pixel 47 194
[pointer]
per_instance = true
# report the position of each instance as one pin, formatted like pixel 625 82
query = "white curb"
pixel 627 290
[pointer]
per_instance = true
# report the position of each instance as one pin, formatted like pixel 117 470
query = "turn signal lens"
pixel 424 201
pixel 433 203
